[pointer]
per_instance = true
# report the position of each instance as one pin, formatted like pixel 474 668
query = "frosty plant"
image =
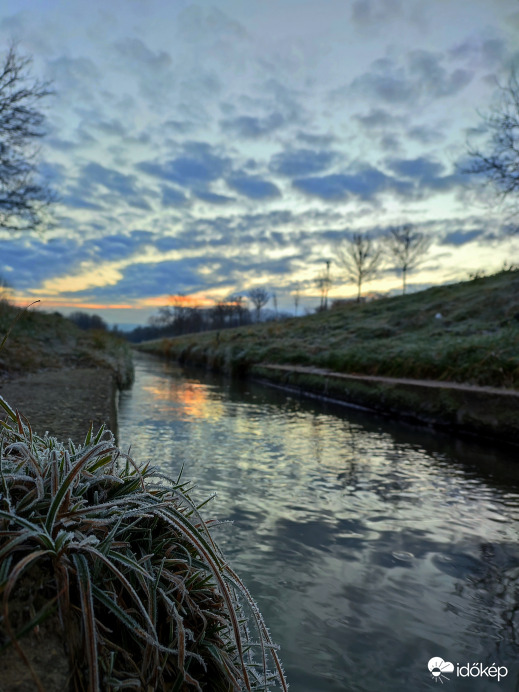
pixel 144 597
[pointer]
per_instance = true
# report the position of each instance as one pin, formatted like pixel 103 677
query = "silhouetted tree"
pixel 179 318
pixel 407 248
pixel 296 293
pixel 324 283
pixel 23 197
pixel 361 259
pixel 221 314
pixel 498 162
pixel 259 297
pixel 239 313
pixel 85 321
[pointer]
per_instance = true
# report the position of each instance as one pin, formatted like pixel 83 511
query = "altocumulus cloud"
pixel 151 279
pixel 253 187
pixel 419 78
pixel 253 127
pixel 124 186
pixel 457 238
pixel 365 183
pixel 181 120
pixel 298 162
pixel 213 198
pixel 196 166
pixel 426 174
pixel 172 197
pixel 420 167
pixel 31 262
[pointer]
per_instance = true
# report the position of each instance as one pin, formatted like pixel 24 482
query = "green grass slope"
pixel 39 340
pixel 475 341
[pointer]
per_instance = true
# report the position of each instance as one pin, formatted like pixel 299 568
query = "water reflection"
pixel 183 400
pixel 370 547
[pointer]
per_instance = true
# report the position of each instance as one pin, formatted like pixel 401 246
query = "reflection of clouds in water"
pixel 349 531
pixel 183 400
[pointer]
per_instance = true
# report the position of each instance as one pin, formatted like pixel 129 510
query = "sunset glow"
pixel 202 150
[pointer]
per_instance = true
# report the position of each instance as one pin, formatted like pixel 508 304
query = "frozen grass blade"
pixel 133 558
pixel 85 590
pixel 18 316
pixel 11 582
pixel 10 412
pixel 65 486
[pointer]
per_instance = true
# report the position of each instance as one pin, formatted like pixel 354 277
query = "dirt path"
pixel 63 402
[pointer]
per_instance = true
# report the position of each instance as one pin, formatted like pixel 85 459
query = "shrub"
pixel 144 597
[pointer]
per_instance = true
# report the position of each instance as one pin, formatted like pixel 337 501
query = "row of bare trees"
pixel 362 257
pixel 25 198
pixel 181 317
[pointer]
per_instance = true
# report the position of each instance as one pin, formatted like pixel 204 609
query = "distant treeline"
pixel 177 320
pixel 181 319
pixel 85 321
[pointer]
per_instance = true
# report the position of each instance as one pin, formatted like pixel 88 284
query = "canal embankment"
pixel 59 377
pixel 445 357
pixel 461 409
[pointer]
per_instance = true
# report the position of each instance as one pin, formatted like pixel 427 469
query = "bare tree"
pixel 275 303
pixel 499 161
pixel 259 297
pixel 361 259
pixel 297 297
pixel 221 313
pixel 407 248
pixel 324 283
pixel 239 312
pixel 23 197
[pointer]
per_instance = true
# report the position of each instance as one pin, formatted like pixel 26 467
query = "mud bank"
pixel 64 402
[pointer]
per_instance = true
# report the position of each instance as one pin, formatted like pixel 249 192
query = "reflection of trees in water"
pixel 360 446
pixel 316 437
pixel 350 454
pixel 488 598
pixel 350 477
pixel 498 591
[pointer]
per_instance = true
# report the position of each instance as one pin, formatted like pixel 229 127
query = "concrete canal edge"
pixel 463 409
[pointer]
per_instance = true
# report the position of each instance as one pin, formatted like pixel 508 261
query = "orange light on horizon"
pixel 190 301
pixel 56 303
pixel 153 302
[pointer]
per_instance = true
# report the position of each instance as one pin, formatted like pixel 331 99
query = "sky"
pixel 204 149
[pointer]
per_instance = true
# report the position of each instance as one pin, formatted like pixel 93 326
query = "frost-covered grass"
pixel 48 340
pixel 144 596
pixel 465 332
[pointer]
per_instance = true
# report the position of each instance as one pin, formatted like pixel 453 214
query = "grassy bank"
pixel 110 577
pixel 466 332
pixel 49 341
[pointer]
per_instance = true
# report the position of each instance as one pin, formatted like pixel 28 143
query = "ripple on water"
pixel 365 544
pixel 403 556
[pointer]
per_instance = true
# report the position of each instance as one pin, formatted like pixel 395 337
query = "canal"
pixel 370 547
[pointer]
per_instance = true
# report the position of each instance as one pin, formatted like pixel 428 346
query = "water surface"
pixel 370 546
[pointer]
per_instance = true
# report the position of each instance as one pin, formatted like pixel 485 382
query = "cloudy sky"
pixel 207 148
